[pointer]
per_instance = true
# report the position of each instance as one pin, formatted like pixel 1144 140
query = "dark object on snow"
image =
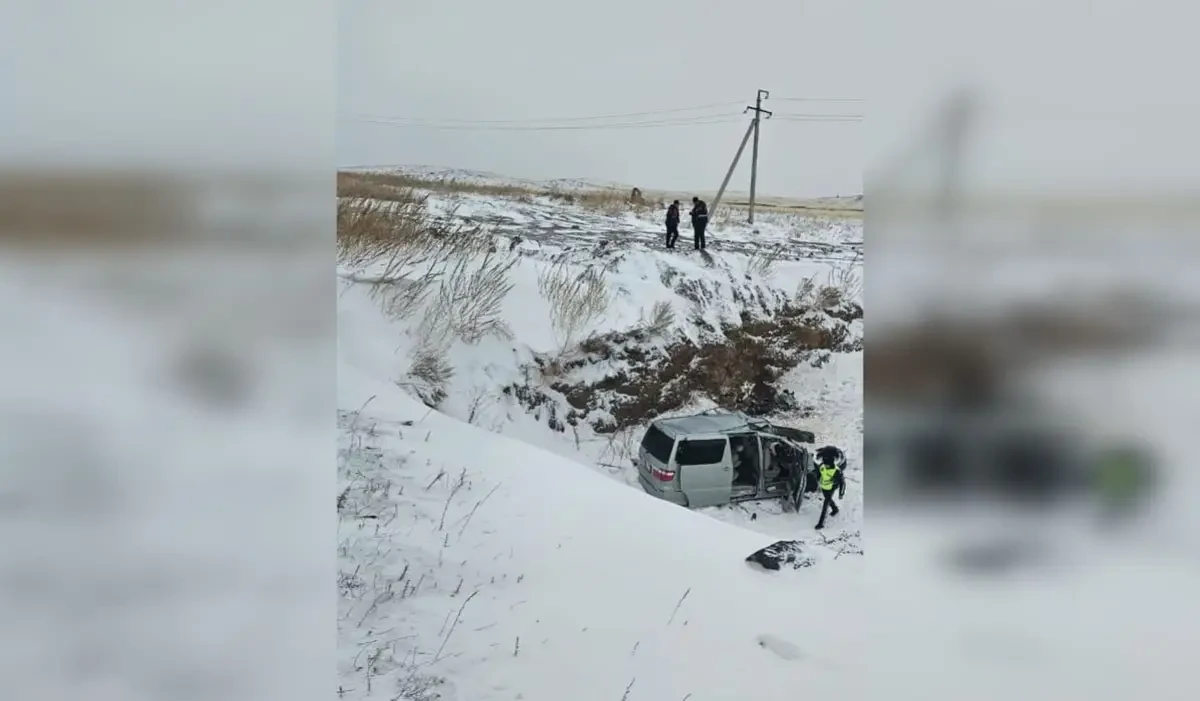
pixel 780 553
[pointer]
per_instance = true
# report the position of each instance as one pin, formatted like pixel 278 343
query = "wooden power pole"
pixel 751 130
pixel 758 113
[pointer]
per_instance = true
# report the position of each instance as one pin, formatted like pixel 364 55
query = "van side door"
pixel 798 478
pixel 705 469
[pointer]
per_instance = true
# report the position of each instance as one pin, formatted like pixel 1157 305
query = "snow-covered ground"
pixel 848 204
pixel 486 554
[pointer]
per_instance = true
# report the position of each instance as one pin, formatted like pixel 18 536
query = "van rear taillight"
pixel 662 475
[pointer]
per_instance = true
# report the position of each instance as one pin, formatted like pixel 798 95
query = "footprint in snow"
pixel 782 648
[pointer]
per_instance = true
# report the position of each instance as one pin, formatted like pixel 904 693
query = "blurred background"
pixel 166 382
pixel 1032 366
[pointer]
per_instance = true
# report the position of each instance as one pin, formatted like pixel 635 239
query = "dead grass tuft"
pixel 660 320
pixel 397 186
pixel 431 373
pixel 577 300
pixel 388 186
pixel 762 262
pixel 416 262
pixel 836 296
pixel 469 302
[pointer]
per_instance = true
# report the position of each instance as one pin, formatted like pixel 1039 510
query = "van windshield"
pixel 658 444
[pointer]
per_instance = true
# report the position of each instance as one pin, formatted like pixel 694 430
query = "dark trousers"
pixel 698 227
pixel 672 233
pixel 827 505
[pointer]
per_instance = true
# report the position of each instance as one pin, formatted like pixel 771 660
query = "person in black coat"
pixel 672 224
pixel 699 222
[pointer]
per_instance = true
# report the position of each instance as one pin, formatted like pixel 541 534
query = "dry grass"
pixel 470 300
pixel 445 276
pixel 447 270
pixel 400 186
pixel 577 300
pixel 389 186
pixel 431 373
pixel 762 262
pixel 660 319
pixel 843 286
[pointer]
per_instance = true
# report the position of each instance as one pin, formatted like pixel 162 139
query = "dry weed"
pixel 660 320
pixel 577 301
pixel 762 262
pixel 843 285
pixel 412 254
pixel 469 303
pixel 385 186
pixel 806 291
pixel 432 371
pixel 398 186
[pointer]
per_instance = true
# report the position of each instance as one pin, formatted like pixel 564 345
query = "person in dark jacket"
pixel 672 224
pixel 829 470
pixel 699 222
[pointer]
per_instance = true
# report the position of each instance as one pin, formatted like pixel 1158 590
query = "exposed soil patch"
pixel 538 403
pixel 738 369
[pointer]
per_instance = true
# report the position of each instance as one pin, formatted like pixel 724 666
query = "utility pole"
pixel 758 113
pixel 729 173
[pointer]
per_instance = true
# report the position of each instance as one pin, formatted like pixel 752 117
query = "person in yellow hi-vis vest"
pixel 830 476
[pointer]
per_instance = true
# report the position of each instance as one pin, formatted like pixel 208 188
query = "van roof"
pixel 704 423
pixel 728 422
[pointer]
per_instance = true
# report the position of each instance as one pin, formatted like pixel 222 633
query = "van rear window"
pixel 658 444
pixel 704 452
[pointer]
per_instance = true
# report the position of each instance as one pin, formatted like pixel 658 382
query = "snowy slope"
pixel 537 578
pixel 485 555
pixel 705 290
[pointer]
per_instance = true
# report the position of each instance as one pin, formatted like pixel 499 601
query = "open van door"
pixel 705 470
pixel 797 483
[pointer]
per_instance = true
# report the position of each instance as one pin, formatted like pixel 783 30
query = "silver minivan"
pixel 718 458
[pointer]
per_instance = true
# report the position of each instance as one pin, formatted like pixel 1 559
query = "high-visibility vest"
pixel 828 472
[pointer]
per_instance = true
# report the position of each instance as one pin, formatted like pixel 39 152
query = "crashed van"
pixel 718 458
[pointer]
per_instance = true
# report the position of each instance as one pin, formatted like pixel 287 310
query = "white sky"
pixel 1075 94
pixel 538 59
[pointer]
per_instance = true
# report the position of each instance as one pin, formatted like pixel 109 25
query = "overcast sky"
pixel 542 59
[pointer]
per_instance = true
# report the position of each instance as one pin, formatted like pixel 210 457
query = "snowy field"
pixel 486 554
pixel 851 205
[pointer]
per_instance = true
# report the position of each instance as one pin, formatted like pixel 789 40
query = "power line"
pixel 819 117
pixel 670 122
pixel 819 99
pixel 621 115
pixel 680 122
